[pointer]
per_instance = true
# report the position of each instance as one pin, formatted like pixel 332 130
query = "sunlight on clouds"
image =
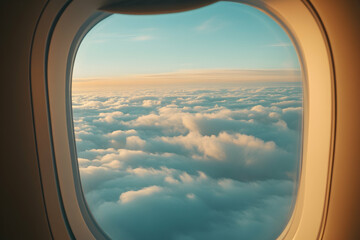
pixel 189 148
pixel 118 133
pixel 92 170
pixel 188 78
pixel 140 171
pixel 190 196
pixel 171 180
pixel 132 195
pixel 135 142
pixel 109 117
pixel 149 103
pixel 212 146
pixel 186 178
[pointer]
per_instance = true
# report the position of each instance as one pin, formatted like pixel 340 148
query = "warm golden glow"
pixel 191 77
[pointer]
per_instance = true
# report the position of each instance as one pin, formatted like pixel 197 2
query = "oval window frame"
pixel 51 82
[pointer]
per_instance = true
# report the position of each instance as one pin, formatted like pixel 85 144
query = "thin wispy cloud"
pixel 150 29
pixel 142 38
pixel 212 24
pixel 281 44
pixel 110 37
pixel 191 77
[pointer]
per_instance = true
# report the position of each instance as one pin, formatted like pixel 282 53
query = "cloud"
pixel 132 195
pixel 191 77
pixel 142 38
pixel 197 211
pixel 211 24
pixel 186 178
pixel 281 44
pixel 290 102
pixel 150 103
pixel 214 146
pixel 171 180
pixel 135 142
pixel 208 162
pixel 112 37
pixel 110 117
pixel 140 171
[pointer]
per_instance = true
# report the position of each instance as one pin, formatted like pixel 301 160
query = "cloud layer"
pixel 186 164
pixel 193 77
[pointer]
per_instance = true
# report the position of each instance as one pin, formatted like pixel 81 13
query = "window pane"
pixel 189 125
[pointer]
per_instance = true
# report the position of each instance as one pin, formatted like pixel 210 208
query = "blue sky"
pixel 224 35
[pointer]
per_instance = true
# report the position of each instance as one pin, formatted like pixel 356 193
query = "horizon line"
pixel 191 77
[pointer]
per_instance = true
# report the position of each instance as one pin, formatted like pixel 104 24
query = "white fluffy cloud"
pixel 210 163
pixel 132 195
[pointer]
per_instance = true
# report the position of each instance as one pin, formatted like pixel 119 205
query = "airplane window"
pixel 189 125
